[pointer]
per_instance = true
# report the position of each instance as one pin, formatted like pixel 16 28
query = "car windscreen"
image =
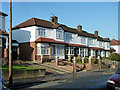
pixel 118 72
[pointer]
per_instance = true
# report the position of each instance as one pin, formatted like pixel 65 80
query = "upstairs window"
pixel 41 32
pixel 108 45
pixel 83 40
pixel 59 34
pixel 90 41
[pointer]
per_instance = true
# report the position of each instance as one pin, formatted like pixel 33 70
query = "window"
pixel 68 36
pixel 60 50
pixel 108 45
pixel 41 32
pixel 0 42
pixel 90 41
pixel 81 52
pixel 83 40
pixel 59 34
pixel 38 49
pixel 45 50
pixel 69 49
pixel 100 44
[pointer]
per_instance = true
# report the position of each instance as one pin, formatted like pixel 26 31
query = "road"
pixel 83 80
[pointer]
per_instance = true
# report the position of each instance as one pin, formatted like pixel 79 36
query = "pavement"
pixel 79 80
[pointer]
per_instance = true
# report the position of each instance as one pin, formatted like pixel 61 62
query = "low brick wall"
pixel 45 57
pixel 22 74
pixel 92 67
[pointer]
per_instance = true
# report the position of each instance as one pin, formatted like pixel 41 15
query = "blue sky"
pixel 101 16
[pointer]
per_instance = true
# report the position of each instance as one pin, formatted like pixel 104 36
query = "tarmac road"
pixel 83 80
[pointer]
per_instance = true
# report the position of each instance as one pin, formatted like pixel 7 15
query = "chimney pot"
pixel 96 33
pixel 79 28
pixel 54 19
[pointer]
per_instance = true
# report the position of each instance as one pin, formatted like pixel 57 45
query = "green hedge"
pixel 114 56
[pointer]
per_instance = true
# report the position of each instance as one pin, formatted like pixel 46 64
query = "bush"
pixel 114 56
pixel 86 60
pixel 95 61
pixel 78 59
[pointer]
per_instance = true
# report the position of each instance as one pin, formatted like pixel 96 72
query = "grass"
pixel 18 67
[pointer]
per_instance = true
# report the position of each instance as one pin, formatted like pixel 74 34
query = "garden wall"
pixel 22 74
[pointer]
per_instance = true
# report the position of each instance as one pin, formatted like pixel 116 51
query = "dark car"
pixel 114 81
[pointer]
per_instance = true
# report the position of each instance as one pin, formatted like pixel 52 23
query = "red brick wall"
pixel 45 57
pixel 27 51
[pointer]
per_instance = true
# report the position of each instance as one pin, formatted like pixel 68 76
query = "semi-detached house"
pixel 4 40
pixel 40 38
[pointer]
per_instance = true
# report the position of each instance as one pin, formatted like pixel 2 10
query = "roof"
pixel 49 40
pixel 77 45
pixel 14 41
pixel 114 42
pixel 97 48
pixel 36 22
pixel 1 13
pixel 2 32
pixel 47 24
pixel 112 50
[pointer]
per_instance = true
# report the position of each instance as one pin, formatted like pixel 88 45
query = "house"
pixel 115 44
pixel 47 39
pixel 4 40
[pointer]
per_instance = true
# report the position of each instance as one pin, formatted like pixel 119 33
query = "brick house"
pixel 4 40
pixel 115 44
pixel 47 39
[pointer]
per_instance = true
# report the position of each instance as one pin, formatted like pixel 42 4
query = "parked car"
pixel 114 81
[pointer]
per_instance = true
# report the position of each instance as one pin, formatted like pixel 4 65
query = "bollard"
pixel 74 65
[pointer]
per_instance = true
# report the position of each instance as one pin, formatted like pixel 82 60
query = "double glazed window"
pixel 41 32
pixel 83 40
pixel 90 41
pixel 60 50
pixel 59 34
pixel 42 49
pixel 45 50
pixel 69 50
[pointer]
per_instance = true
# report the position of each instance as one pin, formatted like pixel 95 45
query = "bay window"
pixel 42 49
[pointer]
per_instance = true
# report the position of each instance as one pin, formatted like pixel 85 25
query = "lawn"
pixel 18 67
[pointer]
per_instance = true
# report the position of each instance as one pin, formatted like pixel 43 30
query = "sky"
pixel 101 16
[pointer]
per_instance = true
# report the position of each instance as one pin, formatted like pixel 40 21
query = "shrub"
pixel 86 60
pixel 95 61
pixel 78 59
pixel 114 56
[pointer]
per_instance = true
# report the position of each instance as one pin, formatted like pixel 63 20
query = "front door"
pixel 14 52
pixel 53 52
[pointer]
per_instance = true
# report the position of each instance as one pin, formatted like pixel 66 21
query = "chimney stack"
pixel 54 19
pixel 79 28
pixel 96 33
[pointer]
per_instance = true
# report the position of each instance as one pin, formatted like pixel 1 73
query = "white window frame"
pixel 59 34
pixel 83 40
pixel 44 50
pixel 41 32
pixel 91 41
pixel 60 50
